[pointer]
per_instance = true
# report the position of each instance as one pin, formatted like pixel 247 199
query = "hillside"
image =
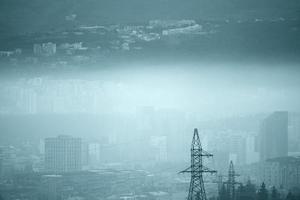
pixel 38 15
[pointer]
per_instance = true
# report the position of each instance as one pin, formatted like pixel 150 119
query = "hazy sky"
pixel 216 89
pixel 211 87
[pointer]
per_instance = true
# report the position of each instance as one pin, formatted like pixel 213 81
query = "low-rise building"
pixel 283 172
pixel 44 49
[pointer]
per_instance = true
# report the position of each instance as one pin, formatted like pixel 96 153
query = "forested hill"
pixel 38 15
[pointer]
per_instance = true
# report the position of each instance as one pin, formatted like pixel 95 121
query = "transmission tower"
pixel 231 182
pixel 197 190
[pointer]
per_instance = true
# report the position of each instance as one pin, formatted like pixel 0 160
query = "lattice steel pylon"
pixel 231 182
pixel 197 190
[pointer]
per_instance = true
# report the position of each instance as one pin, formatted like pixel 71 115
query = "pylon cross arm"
pixel 187 170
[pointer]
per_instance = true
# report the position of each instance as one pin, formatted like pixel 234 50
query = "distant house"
pixel 194 29
pixel 10 53
pixel 71 17
pixel 70 48
pixel 76 45
pixel 6 53
pixel 171 23
pixel 44 49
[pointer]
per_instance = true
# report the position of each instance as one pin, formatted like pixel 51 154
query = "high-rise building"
pixel 158 145
pixel 294 133
pixel 8 159
pixel 94 149
pixel 63 154
pixel 274 136
pixel 251 153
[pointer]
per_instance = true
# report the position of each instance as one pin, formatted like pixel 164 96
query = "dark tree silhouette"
pixel 223 194
pixel 275 195
pixel 290 196
pixel 250 191
pixel 241 193
pixel 262 193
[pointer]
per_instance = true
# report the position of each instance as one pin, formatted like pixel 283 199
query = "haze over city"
pixel 149 100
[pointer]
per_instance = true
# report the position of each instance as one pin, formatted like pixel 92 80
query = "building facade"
pixel 281 172
pixel 63 154
pixel 274 136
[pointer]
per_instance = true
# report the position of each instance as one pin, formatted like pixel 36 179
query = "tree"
pixel 290 196
pixel 274 194
pixel 223 195
pixel 262 193
pixel 241 193
pixel 250 190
